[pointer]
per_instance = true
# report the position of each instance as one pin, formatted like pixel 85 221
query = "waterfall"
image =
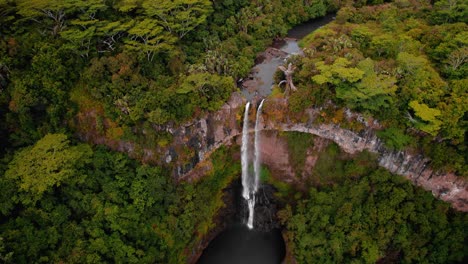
pixel 257 147
pixel 249 185
pixel 251 203
pixel 245 154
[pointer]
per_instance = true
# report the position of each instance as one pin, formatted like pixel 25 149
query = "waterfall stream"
pixel 250 182
pixel 245 154
pixel 257 147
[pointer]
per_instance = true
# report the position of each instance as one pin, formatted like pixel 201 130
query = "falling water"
pixel 245 154
pixel 249 185
pixel 251 203
pixel 257 147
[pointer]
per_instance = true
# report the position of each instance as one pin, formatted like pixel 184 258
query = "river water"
pixel 260 82
pixel 238 243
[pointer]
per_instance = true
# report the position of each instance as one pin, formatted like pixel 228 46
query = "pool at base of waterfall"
pixel 239 244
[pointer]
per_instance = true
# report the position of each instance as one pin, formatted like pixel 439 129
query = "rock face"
pixel 276 156
pixel 193 142
pixel 224 218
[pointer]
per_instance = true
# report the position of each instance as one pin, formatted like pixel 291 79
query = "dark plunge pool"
pixel 237 244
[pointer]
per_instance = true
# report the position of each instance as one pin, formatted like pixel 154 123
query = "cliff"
pixel 192 143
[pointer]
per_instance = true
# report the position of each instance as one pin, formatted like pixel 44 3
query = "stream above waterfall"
pixel 261 79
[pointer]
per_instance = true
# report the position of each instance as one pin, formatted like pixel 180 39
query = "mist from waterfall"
pixel 250 182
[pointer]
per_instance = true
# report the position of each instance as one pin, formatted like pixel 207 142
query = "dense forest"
pixel 403 63
pixel 355 212
pixel 142 64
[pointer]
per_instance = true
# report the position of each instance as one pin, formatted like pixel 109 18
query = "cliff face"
pixel 193 142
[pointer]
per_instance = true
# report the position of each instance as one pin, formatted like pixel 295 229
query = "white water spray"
pixel 257 147
pixel 249 185
pixel 245 154
pixel 251 203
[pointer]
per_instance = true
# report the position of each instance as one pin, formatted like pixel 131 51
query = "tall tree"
pixel 53 14
pixel 372 92
pixel 179 17
pixel 429 117
pixel 337 72
pixel 149 38
pixel 47 164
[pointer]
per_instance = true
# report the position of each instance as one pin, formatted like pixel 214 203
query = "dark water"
pixel 306 28
pixel 239 245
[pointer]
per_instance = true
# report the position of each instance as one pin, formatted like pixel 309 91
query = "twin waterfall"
pixel 250 181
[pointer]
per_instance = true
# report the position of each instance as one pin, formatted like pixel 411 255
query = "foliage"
pixel 372 93
pixel 428 115
pixel 110 210
pixel 207 91
pixel 298 144
pixel 447 11
pixel 334 167
pixel 198 204
pixel 380 217
pixel 401 62
pixel 394 138
pixel 178 17
pixel 283 190
pixel 337 73
pixel 45 165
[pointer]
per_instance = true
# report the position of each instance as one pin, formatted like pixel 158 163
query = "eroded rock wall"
pixel 193 142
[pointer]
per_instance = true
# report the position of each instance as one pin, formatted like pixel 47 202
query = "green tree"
pixel 337 72
pixel 372 219
pixel 47 164
pixel 453 109
pixel 179 17
pixel 373 92
pixel 450 11
pixel 429 117
pixel 149 38
pixel 394 138
pixel 384 45
pixel 53 14
pixel 420 80
pixel 209 90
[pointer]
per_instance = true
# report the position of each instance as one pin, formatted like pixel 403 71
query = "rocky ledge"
pixel 415 167
pixel 193 142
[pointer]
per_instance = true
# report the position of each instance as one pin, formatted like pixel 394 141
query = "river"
pixel 261 79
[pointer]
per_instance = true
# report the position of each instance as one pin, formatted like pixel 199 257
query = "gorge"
pixel 200 131
pixel 224 128
pixel 221 128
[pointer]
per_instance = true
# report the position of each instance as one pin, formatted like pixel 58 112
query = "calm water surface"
pixel 239 245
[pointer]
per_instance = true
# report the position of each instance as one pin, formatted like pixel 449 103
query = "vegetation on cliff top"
pixel 404 63
pixel 140 61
